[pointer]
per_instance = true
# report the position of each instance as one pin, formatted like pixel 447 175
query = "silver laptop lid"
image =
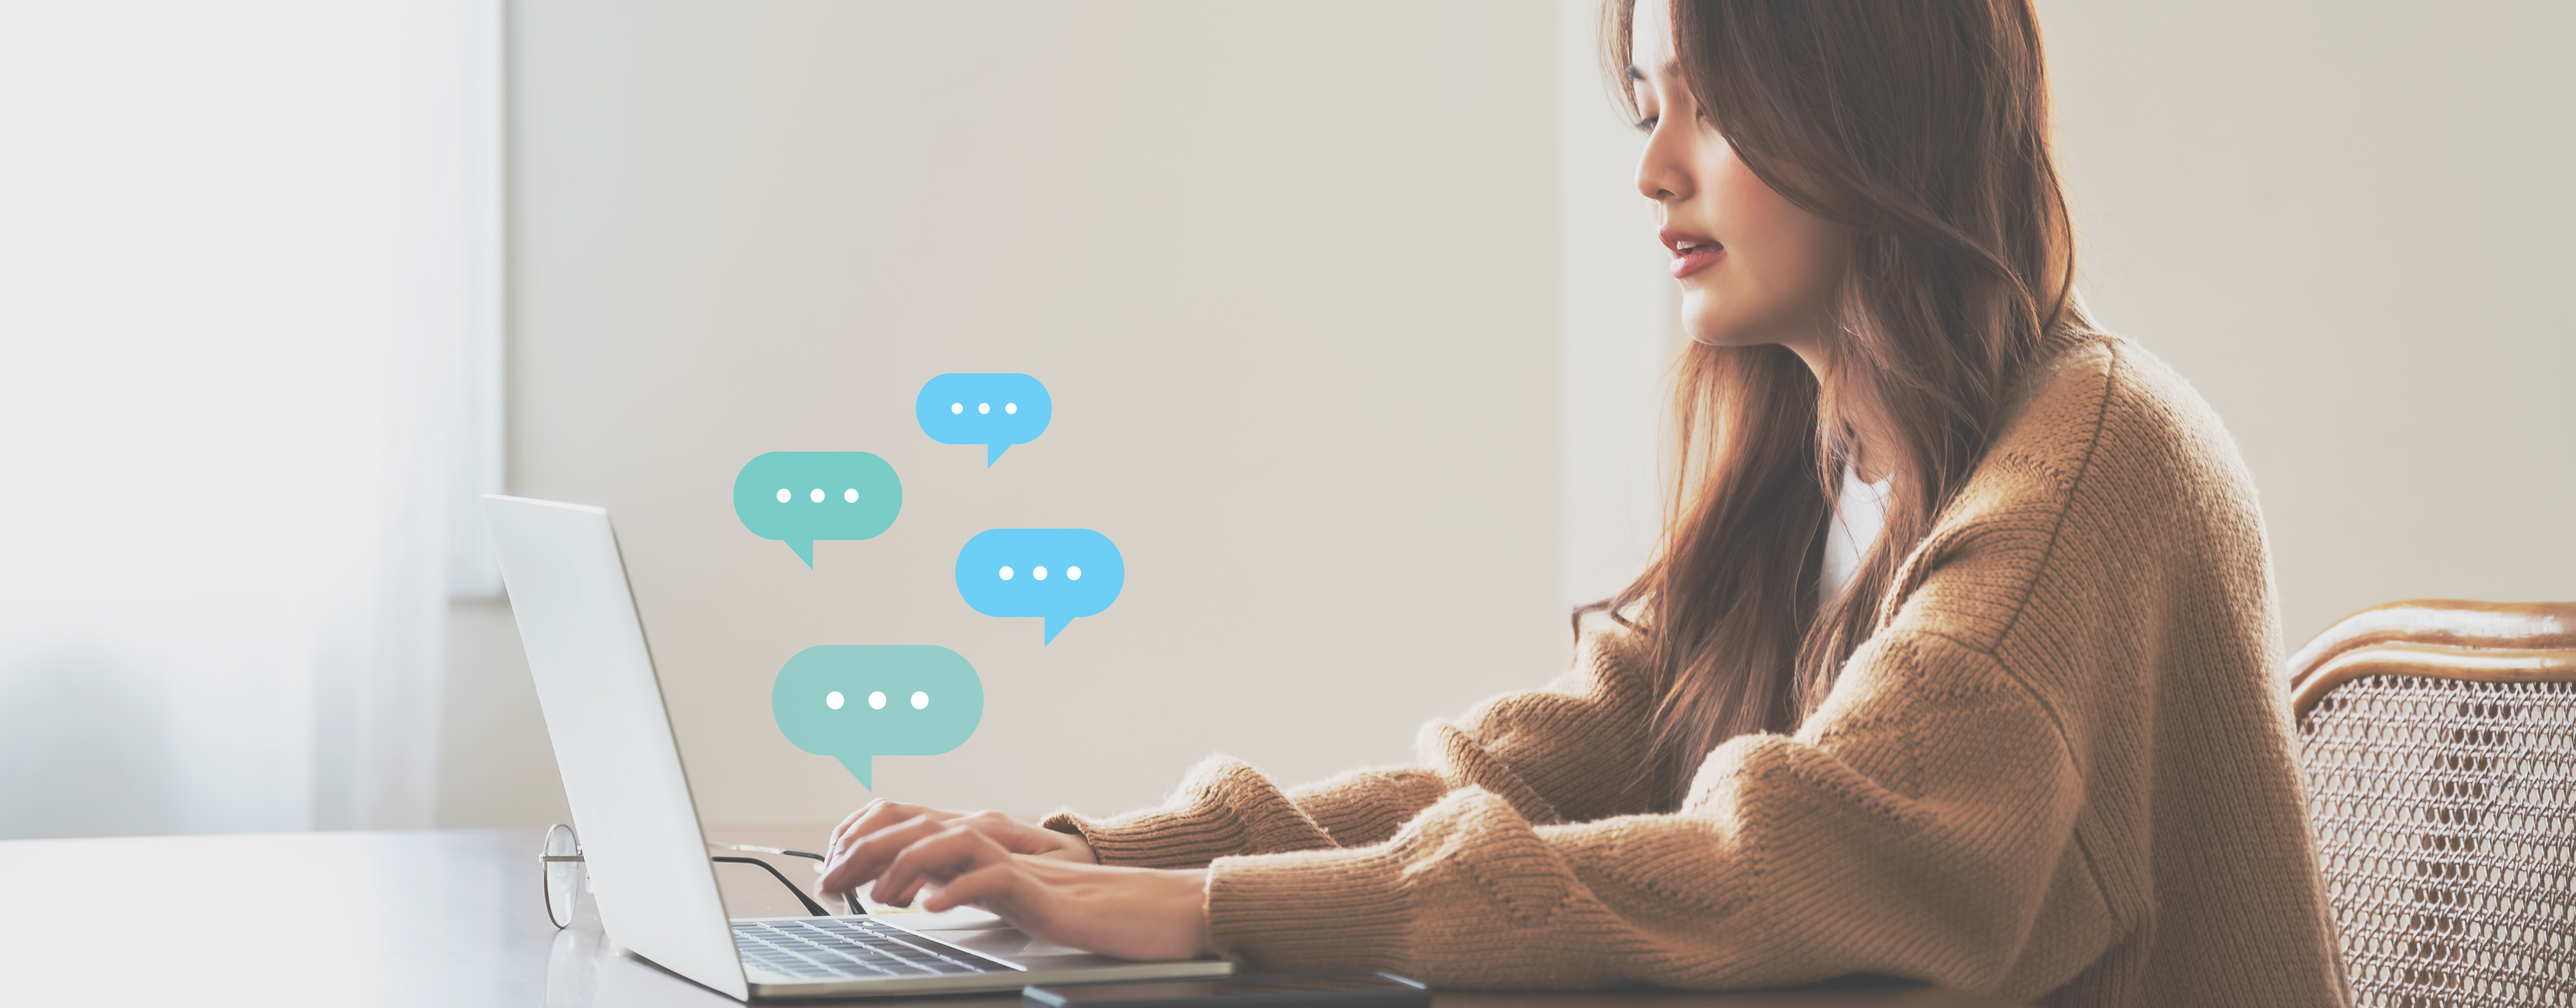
pixel 641 841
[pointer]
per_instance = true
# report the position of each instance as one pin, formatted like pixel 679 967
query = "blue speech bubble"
pixel 798 497
pixel 993 410
pixel 854 702
pixel 1059 574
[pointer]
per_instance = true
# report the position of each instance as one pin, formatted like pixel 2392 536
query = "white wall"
pixel 1405 234
pixel 1287 270
pixel 2347 224
pixel 1618 331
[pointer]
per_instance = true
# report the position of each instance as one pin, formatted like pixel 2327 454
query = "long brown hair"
pixel 1921 126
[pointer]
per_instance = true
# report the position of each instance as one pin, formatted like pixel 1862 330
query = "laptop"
pixel 643 846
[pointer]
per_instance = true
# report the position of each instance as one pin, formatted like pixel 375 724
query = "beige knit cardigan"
pixel 2059 771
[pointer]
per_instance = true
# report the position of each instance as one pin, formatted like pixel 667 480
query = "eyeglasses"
pixel 561 862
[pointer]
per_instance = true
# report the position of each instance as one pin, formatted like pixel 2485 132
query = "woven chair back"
pixel 2438 740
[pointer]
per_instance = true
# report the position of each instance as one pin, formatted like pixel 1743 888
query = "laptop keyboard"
pixel 850 948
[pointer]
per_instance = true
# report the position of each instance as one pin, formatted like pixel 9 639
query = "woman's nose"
pixel 1662 170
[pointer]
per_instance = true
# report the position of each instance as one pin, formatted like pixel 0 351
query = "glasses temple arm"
pixel 851 897
pixel 810 906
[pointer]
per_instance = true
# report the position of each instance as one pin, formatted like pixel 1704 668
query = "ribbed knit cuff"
pixel 1155 838
pixel 1318 910
pixel 1223 807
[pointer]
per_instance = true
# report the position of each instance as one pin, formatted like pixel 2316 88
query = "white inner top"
pixel 1862 510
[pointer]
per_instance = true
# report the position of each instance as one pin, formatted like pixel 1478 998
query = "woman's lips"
pixel 1695 259
pixel 1691 252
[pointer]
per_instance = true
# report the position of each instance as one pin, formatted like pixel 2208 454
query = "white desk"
pixel 445 917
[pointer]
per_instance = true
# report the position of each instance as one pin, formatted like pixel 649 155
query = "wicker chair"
pixel 2438 739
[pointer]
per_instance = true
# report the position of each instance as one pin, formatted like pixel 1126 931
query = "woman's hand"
pixel 866 842
pixel 1131 913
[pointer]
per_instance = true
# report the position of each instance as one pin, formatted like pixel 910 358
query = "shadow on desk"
pixel 431 917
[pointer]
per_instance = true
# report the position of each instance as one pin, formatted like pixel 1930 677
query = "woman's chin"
pixel 1708 323
pixel 1707 333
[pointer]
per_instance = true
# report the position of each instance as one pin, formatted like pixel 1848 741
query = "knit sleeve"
pixel 1573 749
pixel 1911 828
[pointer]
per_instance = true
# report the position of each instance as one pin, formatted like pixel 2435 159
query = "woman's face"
pixel 1753 267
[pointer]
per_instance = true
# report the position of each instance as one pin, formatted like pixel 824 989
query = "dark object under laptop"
pixel 1287 990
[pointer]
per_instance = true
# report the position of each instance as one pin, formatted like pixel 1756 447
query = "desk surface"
pixel 432 917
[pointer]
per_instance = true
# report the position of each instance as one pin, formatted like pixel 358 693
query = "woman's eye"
pixel 1647 124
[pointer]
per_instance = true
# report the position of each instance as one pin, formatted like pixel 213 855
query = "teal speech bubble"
pixel 799 497
pixel 854 702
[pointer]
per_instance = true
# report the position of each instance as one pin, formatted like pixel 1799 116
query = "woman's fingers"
pixel 1045 882
pixel 847 821
pixel 852 820
pixel 866 843
pixel 941 856
pixel 878 815
pixel 1019 837
pixel 841 833
pixel 1131 913
pixel 1001 888
pixel 864 855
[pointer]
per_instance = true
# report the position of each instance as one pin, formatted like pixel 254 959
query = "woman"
pixel 1955 662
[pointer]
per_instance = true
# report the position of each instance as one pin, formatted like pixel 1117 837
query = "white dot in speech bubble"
pixel 1073 573
pixel 818 495
pixel 1006 573
pixel 876 701
pixel 983 407
pixel 1039 573
pixel 957 407
pixel 920 700
pixel 783 495
pixel 850 495
pixel 1010 407
pixel 832 699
